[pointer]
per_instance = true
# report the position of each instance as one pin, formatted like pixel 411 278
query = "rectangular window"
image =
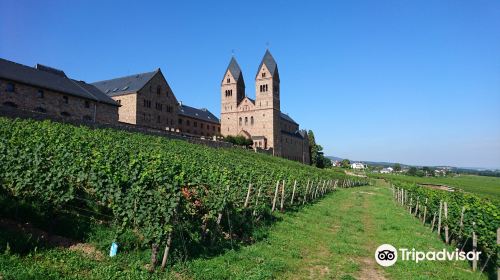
pixel 11 87
pixel 195 124
pixel 201 125
pixel 40 94
pixel 180 121
pixel 87 104
pixel 187 122
pixel 66 99
pixel 158 120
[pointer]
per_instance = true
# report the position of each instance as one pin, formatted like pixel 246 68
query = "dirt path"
pixel 369 267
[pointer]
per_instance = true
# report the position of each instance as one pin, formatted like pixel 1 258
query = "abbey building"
pixel 261 119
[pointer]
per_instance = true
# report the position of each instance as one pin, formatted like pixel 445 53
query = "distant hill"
pixel 470 170
pixel 371 163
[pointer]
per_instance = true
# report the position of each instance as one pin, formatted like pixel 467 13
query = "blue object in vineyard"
pixel 114 249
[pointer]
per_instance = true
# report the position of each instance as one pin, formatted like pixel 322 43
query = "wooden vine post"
pixel 248 195
pixel 282 204
pixel 462 221
pixel 498 243
pixel 293 191
pixel 219 218
pixel 416 208
pixel 474 247
pixel 402 197
pixel 439 219
pixel 257 201
pixel 425 211
pixel 275 195
pixel 446 237
pixel 433 221
pixel 167 250
pixel 305 193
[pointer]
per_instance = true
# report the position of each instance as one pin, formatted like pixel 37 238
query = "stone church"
pixel 261 119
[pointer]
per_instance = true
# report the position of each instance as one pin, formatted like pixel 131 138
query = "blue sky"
pixel 415 82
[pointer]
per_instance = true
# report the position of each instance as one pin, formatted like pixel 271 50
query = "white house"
pixel 387 170
pixel 358 165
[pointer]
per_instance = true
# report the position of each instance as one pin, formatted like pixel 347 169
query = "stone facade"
pixel 47 101
pixel 154 105
pixel 196 127
pixel 261 119
pixel 147 100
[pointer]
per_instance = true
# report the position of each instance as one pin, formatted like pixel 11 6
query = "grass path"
pixel 335 239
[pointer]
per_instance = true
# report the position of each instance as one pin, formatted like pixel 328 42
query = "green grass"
pixel 335 238
pixel 487 187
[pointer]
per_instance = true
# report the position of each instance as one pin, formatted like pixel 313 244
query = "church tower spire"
pixel 232 87
pixel 267 83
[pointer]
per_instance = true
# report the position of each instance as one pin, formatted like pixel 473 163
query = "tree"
pixel 313 148
pixel 412 171
pixel 327 162
pixel 428 171
pixel 239 140
pixel 420 173
pixel 397 167
pixel 318 158
pixel 345 163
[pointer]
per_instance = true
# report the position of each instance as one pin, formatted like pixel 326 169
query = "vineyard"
pixel 156 188
pixel 466 220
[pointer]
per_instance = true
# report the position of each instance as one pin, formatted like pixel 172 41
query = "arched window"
pixel 228 80
pixel 251 120
pixel 158 90
pixel 240 120
pixel 246 120
pixel 266 87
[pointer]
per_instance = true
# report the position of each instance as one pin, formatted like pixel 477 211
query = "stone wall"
pixel 55 103
pixel 6 111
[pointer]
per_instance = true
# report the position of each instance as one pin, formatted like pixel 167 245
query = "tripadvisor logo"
pixel 387 255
